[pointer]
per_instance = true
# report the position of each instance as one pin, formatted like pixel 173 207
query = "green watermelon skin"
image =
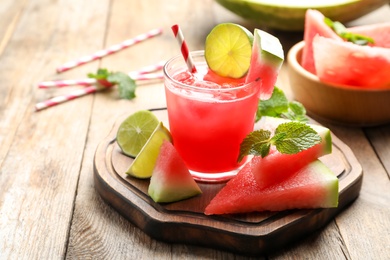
pixel 314 186
pixel 171 180
pixel 314 25
pixel 276 167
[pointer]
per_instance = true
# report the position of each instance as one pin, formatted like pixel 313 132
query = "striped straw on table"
pixel 110 50
pixel 73 95
pixel 184 48
pixel 88 90
pixel 141 74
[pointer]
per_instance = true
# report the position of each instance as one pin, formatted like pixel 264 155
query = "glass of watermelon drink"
pixel 208 121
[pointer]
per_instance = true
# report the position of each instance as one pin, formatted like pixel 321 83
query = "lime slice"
pixel 228 50
pixel 143 165
pixel 134 131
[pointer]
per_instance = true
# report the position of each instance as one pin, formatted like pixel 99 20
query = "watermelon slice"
pixel 266 61
pixel 314 25
pixel 350 64
pixel 171 180
pixel 314 186
pixel 276 167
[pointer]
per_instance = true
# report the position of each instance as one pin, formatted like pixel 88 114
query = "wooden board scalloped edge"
pixel 222 233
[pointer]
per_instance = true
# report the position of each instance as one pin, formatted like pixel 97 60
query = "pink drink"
pixel 208 121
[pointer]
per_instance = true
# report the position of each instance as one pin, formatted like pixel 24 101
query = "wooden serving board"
pixel 184 221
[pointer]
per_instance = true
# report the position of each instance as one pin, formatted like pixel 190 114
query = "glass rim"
pixel 199 53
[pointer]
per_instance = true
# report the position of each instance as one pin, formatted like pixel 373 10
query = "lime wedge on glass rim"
pixel 228 50
pixel 135 130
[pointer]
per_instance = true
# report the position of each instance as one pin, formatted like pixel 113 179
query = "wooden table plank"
pixel 11 11
pixel 42 152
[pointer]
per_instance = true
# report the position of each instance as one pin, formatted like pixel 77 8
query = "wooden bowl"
pixel 341 104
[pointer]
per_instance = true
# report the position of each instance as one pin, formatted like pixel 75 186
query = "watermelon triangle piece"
pixel 314 186
pixel 266 60
pixel 351 64
pixel 276 166
pixel 171 180
pixel 314 25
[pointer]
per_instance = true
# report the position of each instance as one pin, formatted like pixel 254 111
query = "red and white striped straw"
pixel 141 74
pixel 110 50
pixel 89 81
pixel 184 49
pixel 61 99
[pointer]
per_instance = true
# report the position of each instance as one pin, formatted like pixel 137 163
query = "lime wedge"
pixel 143 165
pixel 134 132
pixel 228 50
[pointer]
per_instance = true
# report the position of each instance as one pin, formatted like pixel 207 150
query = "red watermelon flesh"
pixel 350 64
pixel 379 32
pixel 314 25
pixel 276 167
pixel 171 180
pixel 214 77
pixel 266 60
pixel 314 186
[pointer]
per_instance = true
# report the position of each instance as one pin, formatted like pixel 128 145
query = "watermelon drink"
pixel 208 120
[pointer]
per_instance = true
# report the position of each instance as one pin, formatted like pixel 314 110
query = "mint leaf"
pixel 126 85
pixel 294 137
pixel 100 75
pixel 255 143
pixel 295 112
pixel 279 106
pixel 274 106
pixel 340 29
pixel 289 138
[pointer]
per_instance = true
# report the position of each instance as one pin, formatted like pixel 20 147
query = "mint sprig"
pixel 342 31
pixel 126 85
pixel 289 138
pixel 279 106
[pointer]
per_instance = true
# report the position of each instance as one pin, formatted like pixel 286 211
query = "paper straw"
pixel 105 52
pixel 66 83
pixel 89 81
pixel 141 74
pixel 73 95
pixel 184 49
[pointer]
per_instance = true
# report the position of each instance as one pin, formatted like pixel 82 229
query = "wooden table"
pixel 49 208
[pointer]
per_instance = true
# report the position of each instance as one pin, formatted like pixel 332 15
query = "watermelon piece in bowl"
pixel 276 166
pixel 314 186
pixel 314 25
pixel 351 64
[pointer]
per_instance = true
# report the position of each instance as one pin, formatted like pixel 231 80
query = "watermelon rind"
pixel 290 15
